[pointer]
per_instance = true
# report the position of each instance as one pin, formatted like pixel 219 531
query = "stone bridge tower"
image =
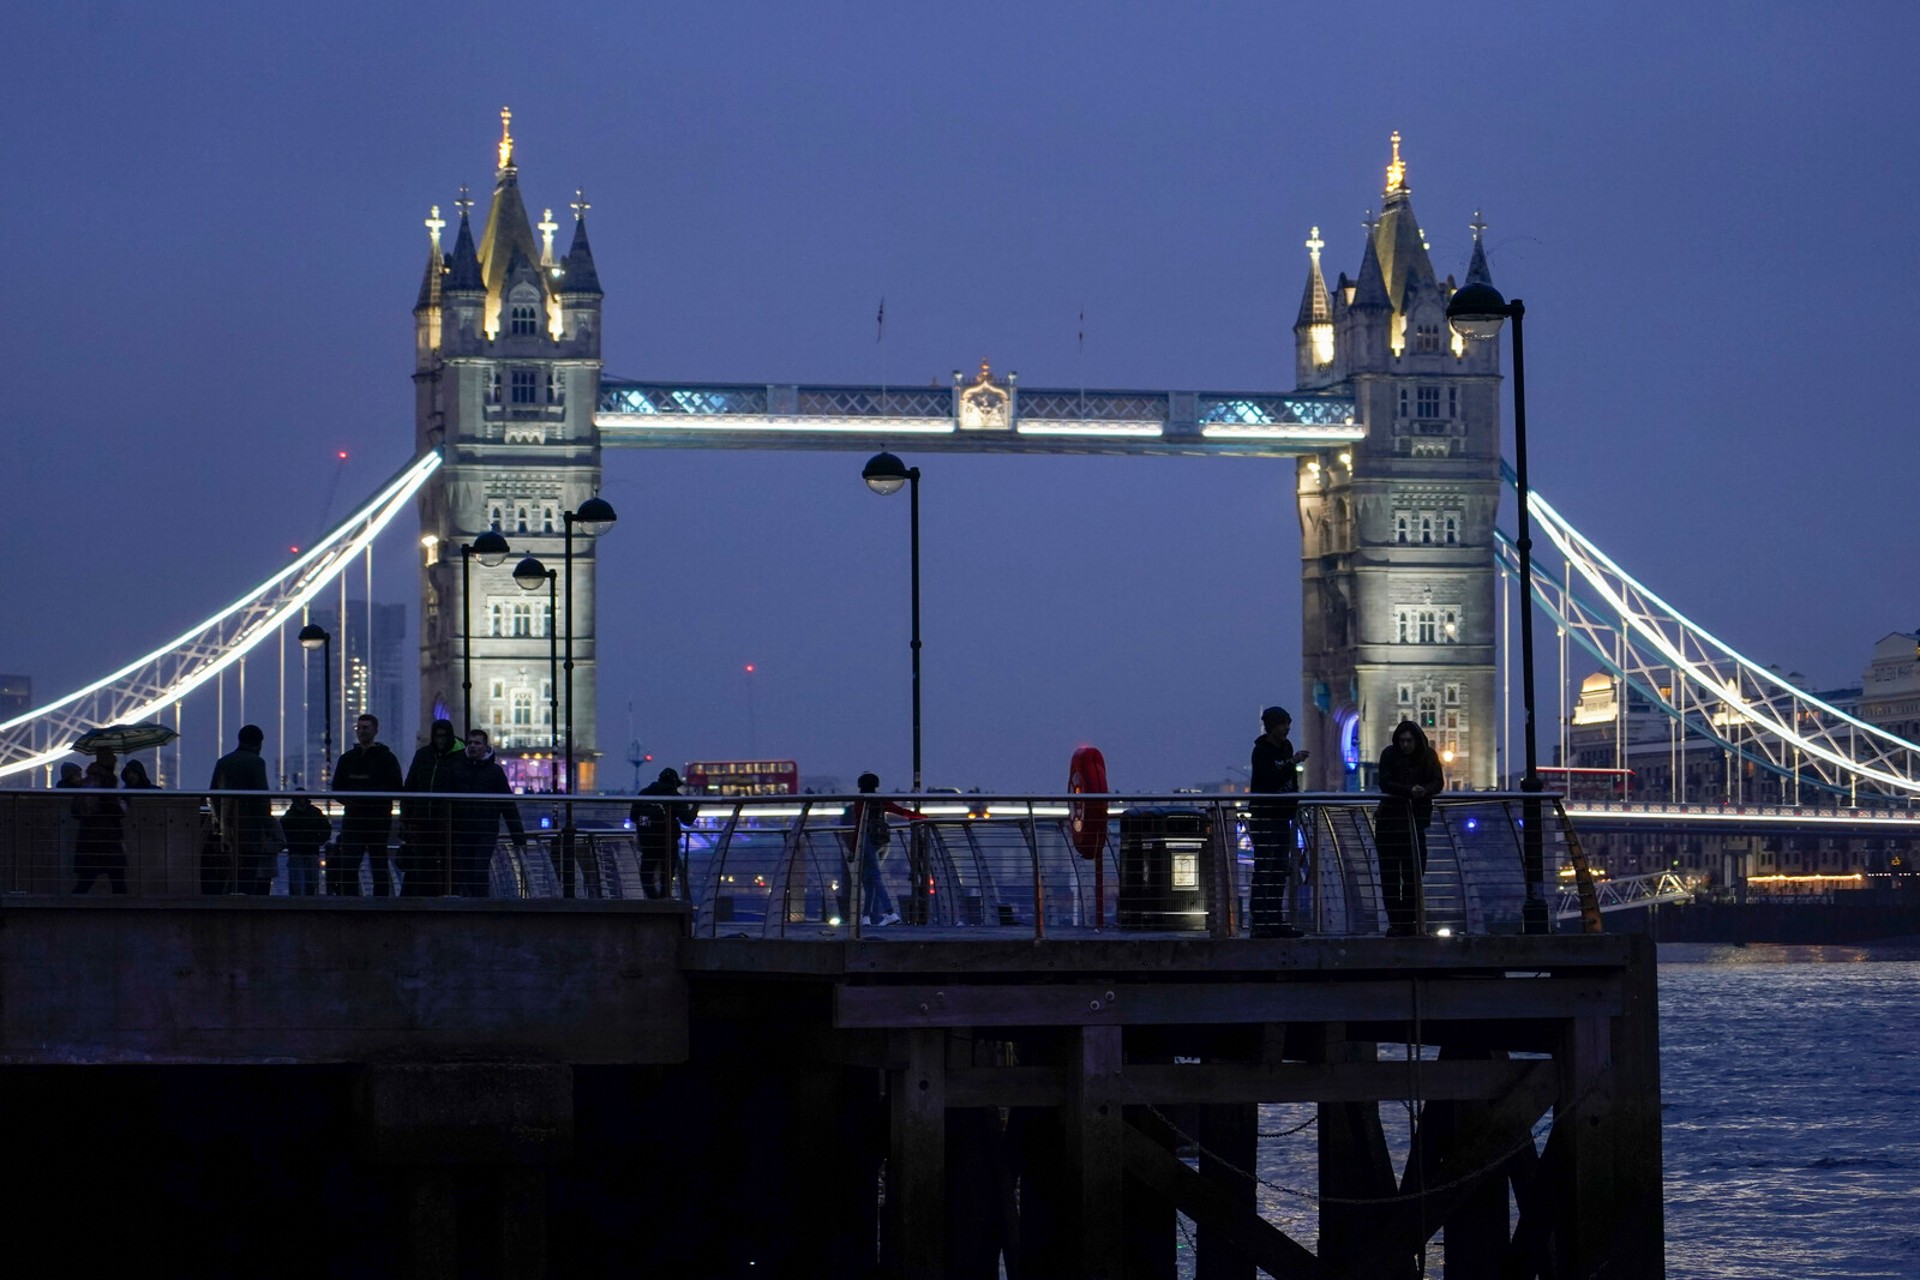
pixel 1397 567
pixel 506 377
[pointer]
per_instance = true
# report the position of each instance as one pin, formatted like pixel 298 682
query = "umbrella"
pixel 123 738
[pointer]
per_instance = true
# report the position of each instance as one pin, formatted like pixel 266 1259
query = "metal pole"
pixel 326 733
pixel 566 825
pixel 1534 916
pixel 913 477
pixel 553 681
pixel 466 638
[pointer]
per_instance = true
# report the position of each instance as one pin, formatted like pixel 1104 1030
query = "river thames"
pixel 1790 1082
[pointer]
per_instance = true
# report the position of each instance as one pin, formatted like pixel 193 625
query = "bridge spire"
pixel 1477 271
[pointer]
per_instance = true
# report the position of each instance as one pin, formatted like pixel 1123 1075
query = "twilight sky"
pixel 215 219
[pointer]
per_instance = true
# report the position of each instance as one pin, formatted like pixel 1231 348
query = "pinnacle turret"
pixel 1477 270
pixel 1315 306
pixel 463 265
pixel 580 275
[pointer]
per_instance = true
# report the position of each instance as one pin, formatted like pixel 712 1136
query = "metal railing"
pixel 783 866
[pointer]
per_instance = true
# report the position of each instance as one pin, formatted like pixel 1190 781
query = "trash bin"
pixel 1160 855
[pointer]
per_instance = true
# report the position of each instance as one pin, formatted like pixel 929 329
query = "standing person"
pixel 656 833
pixel 133 776
pixel 871 838
pixel 476 822
pixel 427 825
pixel 1270 823
pixel 246 822
pixel 305 829
pixel 366 825
pixel 66 822
pixel 1410 776
pixel 99 846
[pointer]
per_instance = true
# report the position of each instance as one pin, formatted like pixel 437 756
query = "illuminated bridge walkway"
pixel 1707 689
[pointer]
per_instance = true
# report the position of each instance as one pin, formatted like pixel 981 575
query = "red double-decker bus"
pixel 742 778
pixel 1588 784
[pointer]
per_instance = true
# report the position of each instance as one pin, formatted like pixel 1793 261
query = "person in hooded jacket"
pixel 1410 776
pixel 476 820
pixel 365 825
pixel 305 829
pixel 1275 771
pixel 425 859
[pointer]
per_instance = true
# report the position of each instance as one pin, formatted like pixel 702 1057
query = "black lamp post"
pixel 315 636
pixel 529 574
pixel 595 516
pixel 491 549
pixel 1476 314
pixel 884 474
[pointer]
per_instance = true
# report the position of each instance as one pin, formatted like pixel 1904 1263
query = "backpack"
pixel 875 820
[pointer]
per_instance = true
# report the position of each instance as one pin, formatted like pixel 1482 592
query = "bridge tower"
pixel 1397 573
pixel 506 376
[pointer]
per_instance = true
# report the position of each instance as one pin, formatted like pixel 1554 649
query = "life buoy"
pixel 1087 774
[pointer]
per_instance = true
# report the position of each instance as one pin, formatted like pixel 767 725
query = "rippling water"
pixel 1790 1078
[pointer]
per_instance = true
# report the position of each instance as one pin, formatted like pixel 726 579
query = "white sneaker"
pixel 892 917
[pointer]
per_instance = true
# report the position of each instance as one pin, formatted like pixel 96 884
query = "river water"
pixel 1790 1083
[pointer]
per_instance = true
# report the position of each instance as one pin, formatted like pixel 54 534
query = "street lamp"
pixel 594 517
pixel 529 574
pixel 491 550
pixel 1476 313
pixel 315 636
pixel 884 474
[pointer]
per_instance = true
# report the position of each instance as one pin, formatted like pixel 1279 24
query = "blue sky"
pixel 215 216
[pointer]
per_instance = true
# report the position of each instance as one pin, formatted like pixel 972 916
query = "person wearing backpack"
pixel 656 833
pixel 870 840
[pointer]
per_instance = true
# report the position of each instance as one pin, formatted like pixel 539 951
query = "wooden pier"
pixel 440 1088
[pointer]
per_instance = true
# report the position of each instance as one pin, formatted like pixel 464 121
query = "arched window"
pixel 523 320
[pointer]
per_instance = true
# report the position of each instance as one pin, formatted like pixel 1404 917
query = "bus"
pixel 1588 785
pixel 741 778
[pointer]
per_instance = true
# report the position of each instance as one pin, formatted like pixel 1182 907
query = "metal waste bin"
pixel 1160 855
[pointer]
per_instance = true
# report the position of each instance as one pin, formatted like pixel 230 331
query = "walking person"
pixel 656 833
pixel 871 838
pixel 1270 823
pixel 66 822
pixel 476 822
pixel 365 825
pixel 246 822
pixel 427 825
pixel 1410 776
pixel 306 830
pixel 100 843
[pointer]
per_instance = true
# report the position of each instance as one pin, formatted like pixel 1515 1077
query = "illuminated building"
pixel 506 375
pixel 1397 564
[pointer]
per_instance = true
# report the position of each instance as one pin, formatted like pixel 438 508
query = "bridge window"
pixel 522 706
pixel 1426 339
pixel 1429 711
pixel 1453 695
pixel 1404 397
pixel 493 386
pixel 1402 525
pixel 520 514
pixel 1453 402
pixel 1450 528
pixel 1427 402
pixel 556 387
pixel 549 517
pixel 1405 693
pixel 1426 624
pixel 523 386
pixel 524 321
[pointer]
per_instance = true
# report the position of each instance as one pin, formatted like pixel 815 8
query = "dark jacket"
pixel 655 820
pixel 432 770
pixel 1400 773
pixel 246 819
pixel 476 822
pixel 373 768
pixel 304 827
pixel 1273 767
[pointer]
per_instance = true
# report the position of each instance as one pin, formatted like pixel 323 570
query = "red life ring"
pixel 1088 818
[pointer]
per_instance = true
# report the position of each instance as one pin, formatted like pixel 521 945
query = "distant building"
pixel 370 671
pixel 1890 688
pixel 16 695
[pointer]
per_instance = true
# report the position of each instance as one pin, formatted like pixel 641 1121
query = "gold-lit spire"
pixel 1315 244
pixel 435 225
pixel 547 227
pixel 506 137
pixel 1397 170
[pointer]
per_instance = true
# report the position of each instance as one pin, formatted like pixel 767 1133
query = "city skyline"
pixel 225 275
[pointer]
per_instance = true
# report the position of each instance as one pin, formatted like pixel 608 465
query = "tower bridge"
pixel 1392 429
